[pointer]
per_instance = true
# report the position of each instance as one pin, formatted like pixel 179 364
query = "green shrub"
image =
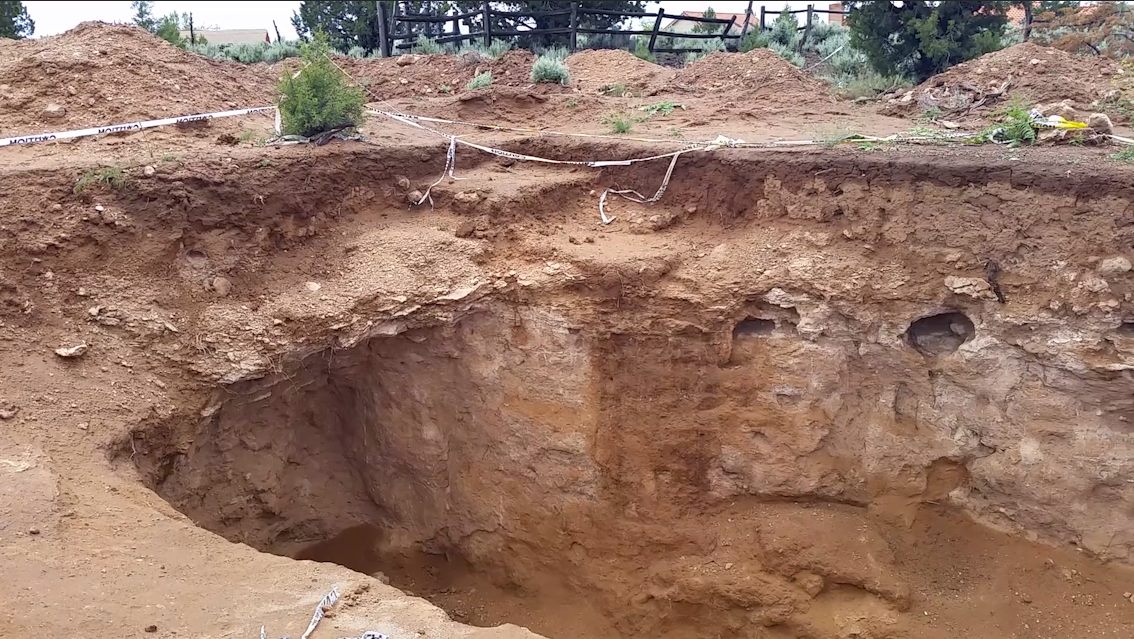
pixel 318 98
pixel 866 83
pixel 754 40
pixel 550 70
pixel 619 123
pixel 426 45
pixel 356 52
pixel 277 51
pixel 491 52
pixel 785 30
pixel 1015 126
pixel 1125 155
pixel 246 53
pixel 789 54
pixel 555 53
pixel 480 81
pixel 707 47
pixel 642 50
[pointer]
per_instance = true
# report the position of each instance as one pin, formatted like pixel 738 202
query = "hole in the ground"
pixel 196 259
pixel 1126 329
pixel 753 327
pixel 940 334
pixel 473 465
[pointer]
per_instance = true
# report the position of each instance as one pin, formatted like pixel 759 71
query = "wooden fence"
pixel 396 32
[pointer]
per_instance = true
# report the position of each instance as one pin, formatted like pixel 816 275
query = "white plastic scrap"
pixel 326 603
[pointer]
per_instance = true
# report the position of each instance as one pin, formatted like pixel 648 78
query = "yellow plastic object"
pixel 1058 122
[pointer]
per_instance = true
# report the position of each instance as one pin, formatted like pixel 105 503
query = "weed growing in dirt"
pixel 108 177
pixel 550 70
pixel 572 102
pixel 356 52
pixel 1125 155
pixel 318 98
pixel 444 88
pixel 932 114
pixel 266 162
pixel 426 45
pixel 480 81
pixel 665 107
pixel 619 123
pixel 1015 126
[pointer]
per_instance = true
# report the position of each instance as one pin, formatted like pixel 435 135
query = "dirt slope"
pixel 104 74
pixel 757 75
pixel 1026 71
pixel 593 70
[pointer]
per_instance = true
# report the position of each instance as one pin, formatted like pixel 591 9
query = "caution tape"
pixel 131 126
pixel 326 603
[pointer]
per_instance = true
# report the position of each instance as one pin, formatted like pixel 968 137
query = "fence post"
pixel 807 26
pixel 657 26
pixel 279 38
pixel 487 25
pixel 456 27
pixel 383 31
pixel 747 19
pixel 574 26
pixel 192 34
pixel 728 27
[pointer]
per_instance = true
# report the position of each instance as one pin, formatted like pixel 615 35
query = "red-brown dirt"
pixel 598 69
pixel 106 74
pixel 818 393
pixel 1027 72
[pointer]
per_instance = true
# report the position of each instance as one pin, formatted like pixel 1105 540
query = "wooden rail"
pixel 397 32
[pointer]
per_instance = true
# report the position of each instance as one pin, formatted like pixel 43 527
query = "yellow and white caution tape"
pixel 128 126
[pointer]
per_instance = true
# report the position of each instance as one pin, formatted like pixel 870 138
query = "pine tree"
pixel 14 20
pixel 923 37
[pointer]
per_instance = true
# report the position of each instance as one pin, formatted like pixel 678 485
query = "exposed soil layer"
pixel 662 427
pixel 813 393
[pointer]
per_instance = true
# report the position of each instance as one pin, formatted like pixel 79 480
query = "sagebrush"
pixel 480 81
pixel 550 70
pixel 319 97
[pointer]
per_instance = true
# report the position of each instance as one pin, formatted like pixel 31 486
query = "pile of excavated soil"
pixel 100 74
pixel 431 75
pixel 756 74
pixel 1025 71
pixel 594 70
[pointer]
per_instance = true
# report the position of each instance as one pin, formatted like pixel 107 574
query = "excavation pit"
pixel 634 436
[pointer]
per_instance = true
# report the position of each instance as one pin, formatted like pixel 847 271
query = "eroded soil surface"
pixel 818 393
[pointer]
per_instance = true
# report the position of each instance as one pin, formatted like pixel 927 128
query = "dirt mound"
pixel 98 74
pixel 758 73
pixel 592 70
pixel 439 74
pixel 1025 71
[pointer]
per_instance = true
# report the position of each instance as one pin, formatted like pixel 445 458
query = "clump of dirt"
pixel 438 74
pixel 1026 71
pixel 594 70
pixel 99 73
pixel 757 73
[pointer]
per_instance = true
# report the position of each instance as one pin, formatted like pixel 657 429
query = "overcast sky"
pixel 56 17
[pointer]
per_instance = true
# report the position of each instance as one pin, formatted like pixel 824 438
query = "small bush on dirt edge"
pixel 1125 155
pixel 318 98
pixel 109 177
pixel 550 70
pixel 480 81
